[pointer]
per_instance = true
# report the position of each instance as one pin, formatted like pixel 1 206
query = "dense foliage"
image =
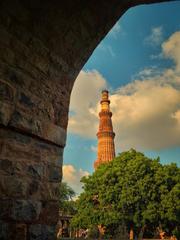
pixel 66 203
pixel 134 191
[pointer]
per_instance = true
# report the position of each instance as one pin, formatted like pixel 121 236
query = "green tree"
pixel 66 202
pixel 133 191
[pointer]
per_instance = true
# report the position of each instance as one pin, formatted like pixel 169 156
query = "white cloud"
pixel 111 51
pixel 148 72
pixel 84 99
pixel 115 31
pixel 94 148
pixel 156 56
pixel 145 115
pixel 106 49
pixel 146 112
pixel 72 177
pixel 171 49
pixel 156 36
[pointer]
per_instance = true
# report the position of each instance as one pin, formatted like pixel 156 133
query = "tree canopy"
pixel 133 190
pixel 66 203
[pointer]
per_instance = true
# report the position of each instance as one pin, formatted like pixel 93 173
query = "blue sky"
pixel 138 61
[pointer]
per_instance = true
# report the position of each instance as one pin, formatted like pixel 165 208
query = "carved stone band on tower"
pixel 105 135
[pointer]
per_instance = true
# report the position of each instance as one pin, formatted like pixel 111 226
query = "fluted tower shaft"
pixel 105 135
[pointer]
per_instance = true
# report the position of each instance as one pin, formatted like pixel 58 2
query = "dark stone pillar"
pixel 34 99
pixel 30 170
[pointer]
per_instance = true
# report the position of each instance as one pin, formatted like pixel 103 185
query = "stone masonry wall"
pixel 30 170
pixel 43 46
pixel 33 119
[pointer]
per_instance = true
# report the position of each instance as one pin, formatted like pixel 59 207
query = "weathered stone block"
pixel 42 190
pixel 54 191
pixel 7 54
pixel 26 100
pixel 12 150
pixel 4 231
pixel 49 213
pixel 49 191
pixel 7 166
pixel 19 168
pixel 54 133
pixel 7 92
pixel 13 186
pixel 18 231
pixel 26 122
pixel 33 188
pixel 5 208
pixel 51 154
pixel 26 210
pixel 59 162
pixel 6 111
pixel 54 174
pixel 13 231
pixel 5 37
pixel 14 137
pixel 41 232
pixel 42 128
pixel 36 170
pixel 37 46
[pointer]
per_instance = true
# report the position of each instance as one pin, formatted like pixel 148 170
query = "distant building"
pixel 105 135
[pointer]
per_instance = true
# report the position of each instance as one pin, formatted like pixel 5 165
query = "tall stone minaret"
pixel 105 135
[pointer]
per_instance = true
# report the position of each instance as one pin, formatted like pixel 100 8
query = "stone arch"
pixel 43 46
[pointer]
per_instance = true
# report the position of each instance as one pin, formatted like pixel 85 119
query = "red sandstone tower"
pixel 105 135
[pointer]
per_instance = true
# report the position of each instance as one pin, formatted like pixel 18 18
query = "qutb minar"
pixel 105 135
